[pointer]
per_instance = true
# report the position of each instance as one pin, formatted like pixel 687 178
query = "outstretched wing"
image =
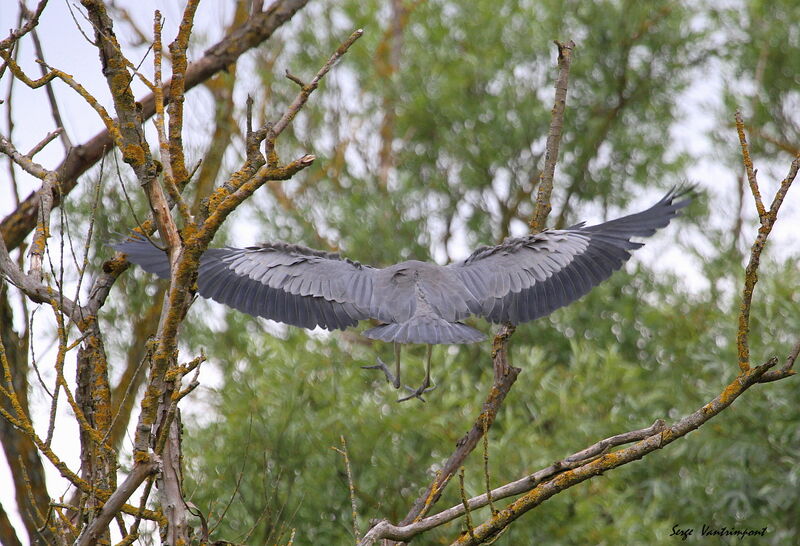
pixel 287 283
pixel 529 277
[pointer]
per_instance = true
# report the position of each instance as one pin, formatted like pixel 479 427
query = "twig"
pixel 37 513
pixel 276 129
pixel 748 166
pixel 134 530
pixel 792 357
pixel 78 25
pixel 87 243
pixel 165 145
pixel 44 142
pixel 497 394
pixel 780 144
pixel 238 484
pixel 351 487
pixel 143 229
pixel 465 504
pixel 32 287
pixel 177 84
pixel 109 39
pixel 33 20
pixel 487 480
pixel 504 374
pixel 128 391
pixel 23 160
pixel 34 364
pixel 295 79
pixel 51 96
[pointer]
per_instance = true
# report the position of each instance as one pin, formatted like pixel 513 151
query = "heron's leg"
pixel 426 386
pixel 427 382
pixel 396 365
pixel 393 379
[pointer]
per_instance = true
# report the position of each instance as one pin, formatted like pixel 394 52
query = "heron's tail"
pixel 427 329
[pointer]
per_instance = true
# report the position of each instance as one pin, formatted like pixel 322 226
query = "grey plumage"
pixel 517 281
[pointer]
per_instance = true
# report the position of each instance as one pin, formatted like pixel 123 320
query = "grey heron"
pixel 519 280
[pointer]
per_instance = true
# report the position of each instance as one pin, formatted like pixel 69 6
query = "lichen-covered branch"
pixel 748 166
pixel 45 195
pixel 384 529
pixel 604 463
pixel 466 445
pixel 767 220
pixel 177 91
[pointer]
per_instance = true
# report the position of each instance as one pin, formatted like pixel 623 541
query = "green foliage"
pixel 760 49
pixel 468 112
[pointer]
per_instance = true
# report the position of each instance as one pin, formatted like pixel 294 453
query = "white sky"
pixel 66 49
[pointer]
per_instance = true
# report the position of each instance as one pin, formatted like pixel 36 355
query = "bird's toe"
pixel 418 392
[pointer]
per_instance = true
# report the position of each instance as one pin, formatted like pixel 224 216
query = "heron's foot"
pixel 426 386
pixel 390 377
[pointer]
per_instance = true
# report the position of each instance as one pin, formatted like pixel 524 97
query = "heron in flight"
pixel 517 281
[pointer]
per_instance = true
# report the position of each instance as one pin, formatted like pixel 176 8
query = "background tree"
pixel 430 136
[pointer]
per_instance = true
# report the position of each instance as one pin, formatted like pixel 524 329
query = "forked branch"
pixel 767 220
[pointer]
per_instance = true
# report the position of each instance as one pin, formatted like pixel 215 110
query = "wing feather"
pixel 282 282
pixel 519 280
pixel 528 277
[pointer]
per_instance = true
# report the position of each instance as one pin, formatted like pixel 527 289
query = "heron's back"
pixel 421 303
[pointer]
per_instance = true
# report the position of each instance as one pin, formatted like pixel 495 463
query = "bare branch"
pixel 748 166
pixel 464 503
pixel 767 221
pixel 33 20
pixel 504 374
pixel 543 206
pixel 44 142
pixel 177 92
pixel 790 360
pixel 31 287
pixel 51 96
pixel 23 160
pixel 275 130
pixel 112 506
pixel 295 79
